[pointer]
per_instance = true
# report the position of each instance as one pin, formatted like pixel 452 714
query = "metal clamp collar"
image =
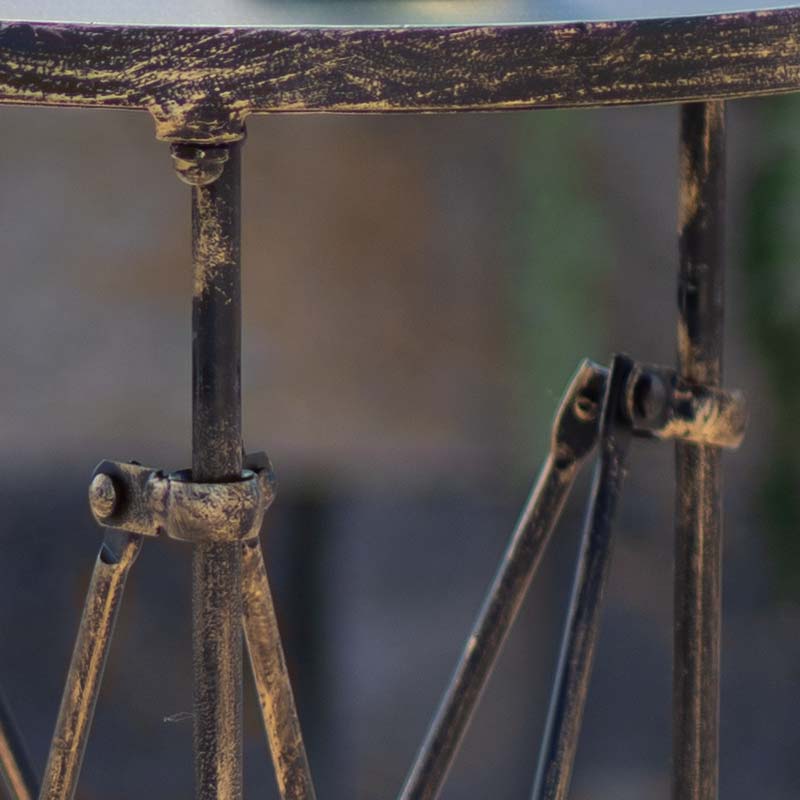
pixel 149 502
pixel 656 403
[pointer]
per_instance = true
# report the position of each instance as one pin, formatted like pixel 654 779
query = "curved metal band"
pixel 201 83
pixel 147 502
pixel 211 512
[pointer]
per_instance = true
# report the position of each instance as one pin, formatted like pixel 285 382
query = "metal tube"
pixel 583 621
pixel 16 769
pixel 103 600
pixel 573 437
pixel 217 457
pixel 272 679
pixel 499 610
pixel 698 531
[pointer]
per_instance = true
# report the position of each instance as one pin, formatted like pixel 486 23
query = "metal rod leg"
pixel 573 438
pixel 103 600
pixel 16 769
pixel 272 679
pixel 583 621
pixel 698 507
pixel 217 457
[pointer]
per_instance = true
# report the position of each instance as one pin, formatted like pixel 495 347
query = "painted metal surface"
pixel 362 13
pixel 217 458
pixel 103 600
pixel 17 772
pixel 271 676
pixel 698 540
pixel 148 502
pixel 200 84
pixel 574 436
pixel 583 618
pixel 632 399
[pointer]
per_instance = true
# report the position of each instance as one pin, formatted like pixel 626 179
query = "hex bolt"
pixel 102 495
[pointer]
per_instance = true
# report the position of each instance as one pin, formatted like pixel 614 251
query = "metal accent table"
pixel 200 68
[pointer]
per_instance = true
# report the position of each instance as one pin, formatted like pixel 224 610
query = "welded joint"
pixel 148 502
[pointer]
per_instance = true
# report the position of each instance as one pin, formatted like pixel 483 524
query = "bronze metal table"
pixel 200 68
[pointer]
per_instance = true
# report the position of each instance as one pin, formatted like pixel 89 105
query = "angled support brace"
pixel 583 620
pixel 633 399
pixel 640 400
pixel 16 769
pixel 103 599
pixel 148 502
pixel 573 438
pixel 271 677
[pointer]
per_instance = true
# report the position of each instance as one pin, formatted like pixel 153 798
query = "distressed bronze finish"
pixel 201 83
pixel 583 619
pixel 573 438
pixel 16 769
pixel 142 500
pixel 663 405
pixel 103 599
pixel 698 546
pixel 272 679
pixel 217 458
pixel 633 399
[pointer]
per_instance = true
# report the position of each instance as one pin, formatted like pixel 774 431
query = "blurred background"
pixel 418 291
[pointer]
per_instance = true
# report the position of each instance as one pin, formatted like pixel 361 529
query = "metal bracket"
pixel 657 402
pixel 576 425
pixel 148 502
pixel 663 405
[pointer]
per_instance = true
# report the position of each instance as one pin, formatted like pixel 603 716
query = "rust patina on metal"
pixel 200 83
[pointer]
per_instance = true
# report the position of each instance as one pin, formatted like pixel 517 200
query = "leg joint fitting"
pixel 148 502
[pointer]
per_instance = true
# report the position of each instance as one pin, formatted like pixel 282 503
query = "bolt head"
pixel 650 397
pixel 102 496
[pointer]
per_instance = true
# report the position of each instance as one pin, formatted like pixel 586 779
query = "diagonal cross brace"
pixel 646 401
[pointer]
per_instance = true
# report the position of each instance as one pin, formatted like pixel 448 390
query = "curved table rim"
pixel 200 83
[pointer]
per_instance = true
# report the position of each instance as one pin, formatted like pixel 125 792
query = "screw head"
pixel 102 496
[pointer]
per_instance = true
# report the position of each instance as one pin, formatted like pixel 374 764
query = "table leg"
pixel 698 507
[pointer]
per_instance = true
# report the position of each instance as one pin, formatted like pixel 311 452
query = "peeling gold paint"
pixel 272 679
pixel 103 600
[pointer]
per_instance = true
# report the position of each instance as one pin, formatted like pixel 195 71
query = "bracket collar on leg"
pixel 657 403
pixel 149 502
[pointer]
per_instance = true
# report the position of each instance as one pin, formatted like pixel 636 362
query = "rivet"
pixel 102 495
pixel 585 408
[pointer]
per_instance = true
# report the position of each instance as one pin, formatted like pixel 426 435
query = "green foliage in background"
pixel 772 298
pixel 564 255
